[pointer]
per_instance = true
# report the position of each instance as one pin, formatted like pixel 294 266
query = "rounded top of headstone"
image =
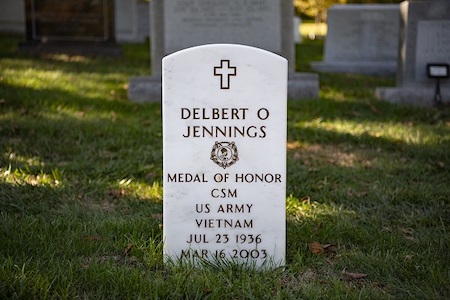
pixel 225 48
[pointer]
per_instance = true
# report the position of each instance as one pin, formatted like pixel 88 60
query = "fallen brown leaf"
pixel 158 217
pixel 354 276
pixel 151 176
pixel 92 238
pixel 362 193
pixel 409 256
pixel 373 108
pixel 80 114
pixel 407 231
pixel 316 248
pixel 116 193
pixel 128 249
pixel 305 199
pixel 86 263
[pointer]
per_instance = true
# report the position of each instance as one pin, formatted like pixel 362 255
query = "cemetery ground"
pixel 81 190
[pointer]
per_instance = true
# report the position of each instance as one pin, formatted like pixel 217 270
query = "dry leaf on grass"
pixel 116 193
pixel 373 108
pixel 316 248
pixel 158 217
pixel 128 249
pixel 151 176
pixel 407 230
pixel 353 276
pixel 86 263
pixel 92 238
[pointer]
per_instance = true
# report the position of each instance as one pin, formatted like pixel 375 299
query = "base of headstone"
pixel 423 97
pixel 143 89
pixel 367 68
pixel 70 48
pixel 303 86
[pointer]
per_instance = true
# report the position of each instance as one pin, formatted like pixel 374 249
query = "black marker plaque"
pixel 76 25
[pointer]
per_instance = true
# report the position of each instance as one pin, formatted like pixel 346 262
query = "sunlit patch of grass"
pixel 314 211
pixel 142 189
pixel 31 177
pixel 68 58
pixel 391 131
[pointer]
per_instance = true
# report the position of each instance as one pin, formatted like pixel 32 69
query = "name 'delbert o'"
pixel 224 131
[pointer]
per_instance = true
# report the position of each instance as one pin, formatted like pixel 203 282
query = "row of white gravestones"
pixel 224 120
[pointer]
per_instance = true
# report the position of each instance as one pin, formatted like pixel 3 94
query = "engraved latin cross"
pixel 225 71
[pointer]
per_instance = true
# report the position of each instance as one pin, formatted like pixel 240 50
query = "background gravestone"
pixel 224 161
pixel 12 16
pixel 425 38
pixel 180 24
pixel 71 26
pixel 192 23
pixel 132 20
pixel 361 39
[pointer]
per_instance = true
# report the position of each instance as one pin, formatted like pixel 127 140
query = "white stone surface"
pixel 361 38
pixel 197 105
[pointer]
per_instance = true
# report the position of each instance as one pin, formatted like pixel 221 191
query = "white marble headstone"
pixel 224 133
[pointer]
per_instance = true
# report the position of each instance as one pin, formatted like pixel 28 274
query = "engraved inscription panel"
pixel 197 22
pixel 224 166
pixel 362 34
pixel 433 45
pixel 81 20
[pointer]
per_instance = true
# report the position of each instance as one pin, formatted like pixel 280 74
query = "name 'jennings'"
pixel 223 131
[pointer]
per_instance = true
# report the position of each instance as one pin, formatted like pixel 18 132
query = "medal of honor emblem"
pixel 224 154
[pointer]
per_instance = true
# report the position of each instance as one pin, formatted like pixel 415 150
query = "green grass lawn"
pixel 81 192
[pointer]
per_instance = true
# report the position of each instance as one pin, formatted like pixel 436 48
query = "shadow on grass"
pixel 136 58
pixel 51 99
